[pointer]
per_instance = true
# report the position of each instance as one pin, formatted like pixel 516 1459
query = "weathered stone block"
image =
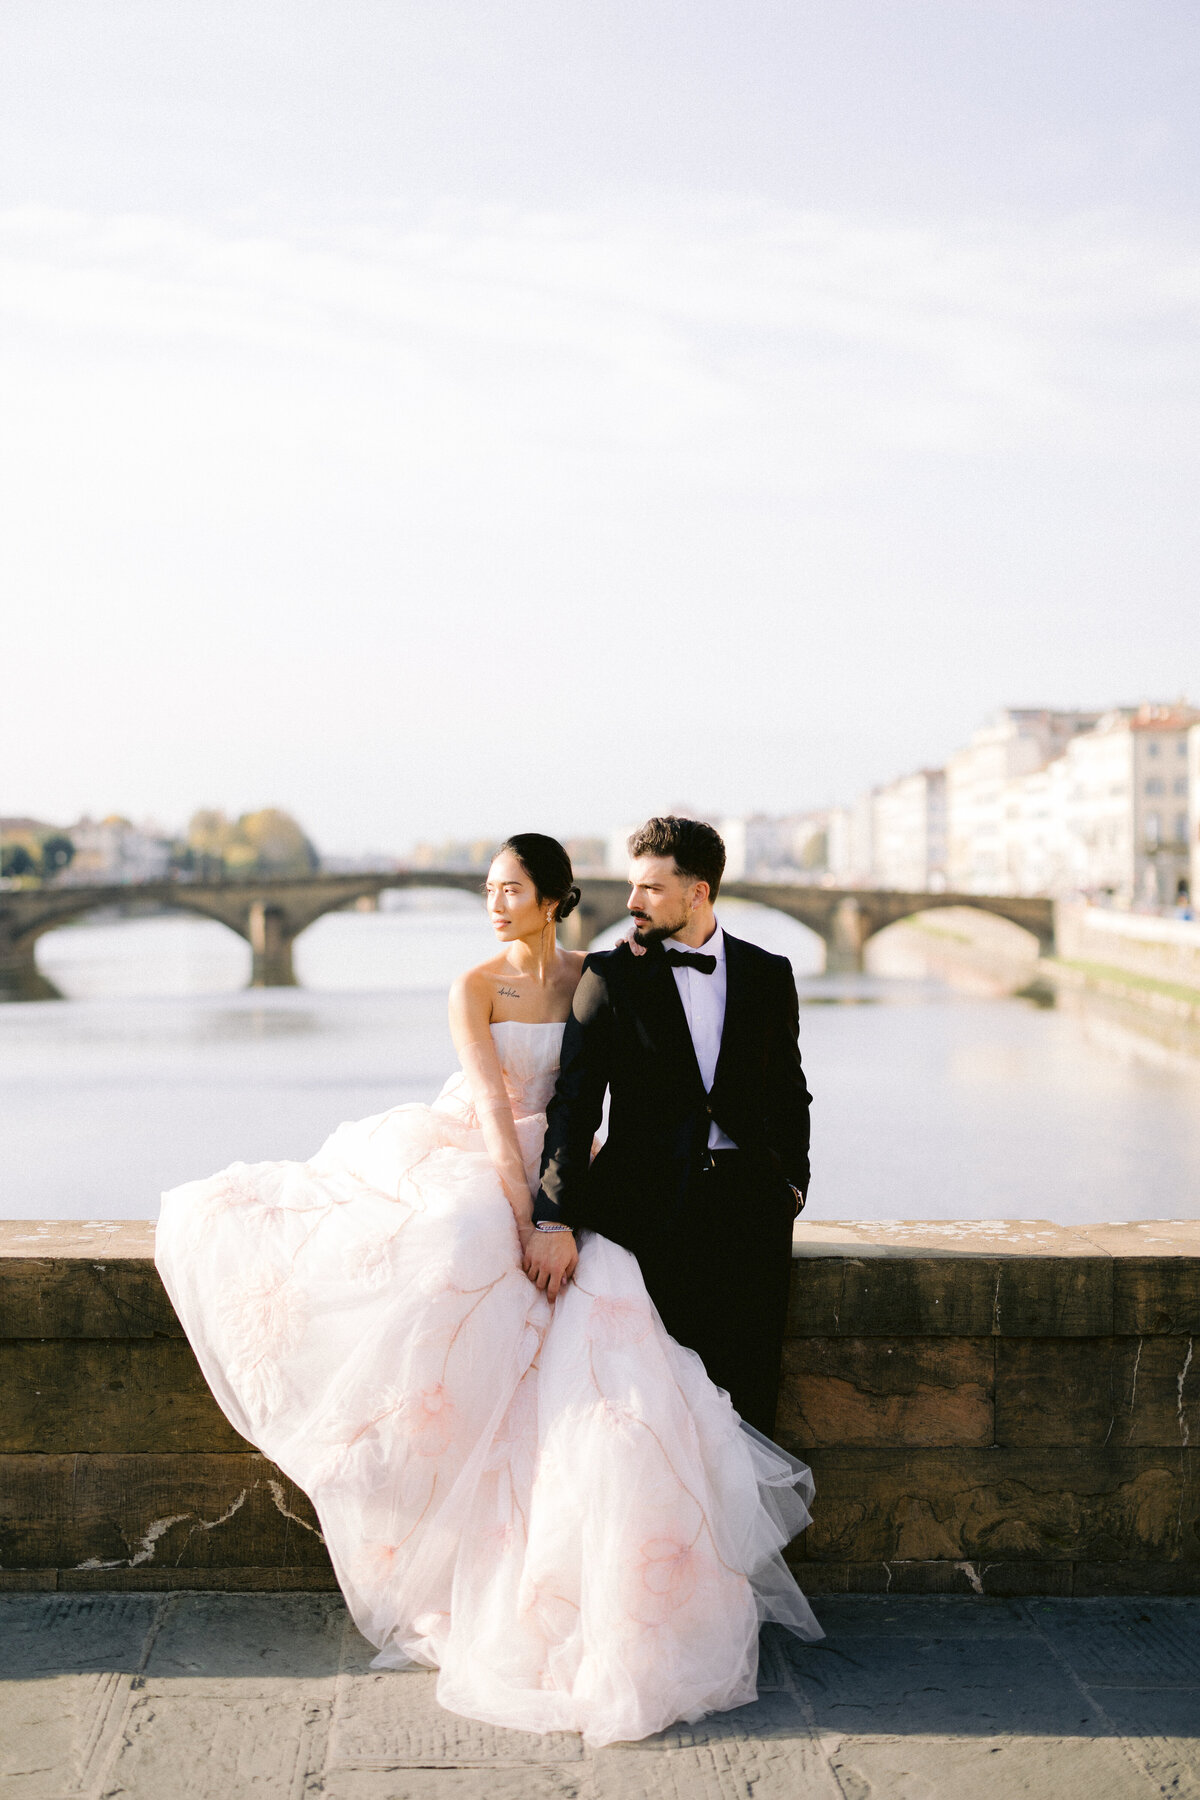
pixel 93 1513
pixel 975 1279
pixel 106 1395
pixel 61 1279
pixel 908 1297
pixel 1004 1505
pixel 1116 1391
pixel 1052 1296
pixel 1156 1296
pixel 27 1581
pixel 1117 1578
pixel 886 1391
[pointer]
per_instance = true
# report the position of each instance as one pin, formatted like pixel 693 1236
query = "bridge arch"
pixel 271 913
pixel 958 904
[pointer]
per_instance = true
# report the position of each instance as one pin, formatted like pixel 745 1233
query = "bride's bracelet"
pixel 545 1225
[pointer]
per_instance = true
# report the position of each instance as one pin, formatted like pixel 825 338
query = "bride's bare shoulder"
pixel 481 976
pixel 475 988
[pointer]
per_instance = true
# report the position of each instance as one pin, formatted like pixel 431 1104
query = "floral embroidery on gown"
pixel 554 1506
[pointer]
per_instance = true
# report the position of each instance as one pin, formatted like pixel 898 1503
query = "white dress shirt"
pixel 703 999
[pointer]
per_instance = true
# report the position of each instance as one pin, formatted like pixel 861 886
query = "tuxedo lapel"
pixel 737 1005
pixel 664 1018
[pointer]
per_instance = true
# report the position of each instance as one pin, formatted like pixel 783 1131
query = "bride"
pixel 540 1494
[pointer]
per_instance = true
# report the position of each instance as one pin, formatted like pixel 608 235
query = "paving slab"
pixel 1006 1768
pixel 931 1616
pixel 514 1782
pixel 963 1687
pixel 217 1748
pixel 270 1697
pixel 62 1634
pixel 1161 1728
pixel 255 1641
pixel 729 1767
pixel 1117 1643
pixel 58 1733
pixel 391 1719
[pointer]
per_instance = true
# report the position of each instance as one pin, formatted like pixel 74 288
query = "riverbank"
pixel 1147 963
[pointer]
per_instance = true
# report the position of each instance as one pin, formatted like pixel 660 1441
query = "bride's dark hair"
pixel 548 867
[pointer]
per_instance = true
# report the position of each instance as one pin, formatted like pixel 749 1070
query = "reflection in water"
pixel 945 1087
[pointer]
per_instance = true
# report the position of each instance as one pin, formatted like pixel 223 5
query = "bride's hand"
pixel 550 1260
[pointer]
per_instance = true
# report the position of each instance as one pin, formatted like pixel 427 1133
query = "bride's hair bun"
pixel 548 867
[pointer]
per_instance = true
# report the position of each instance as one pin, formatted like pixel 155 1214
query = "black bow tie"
pixel 685 959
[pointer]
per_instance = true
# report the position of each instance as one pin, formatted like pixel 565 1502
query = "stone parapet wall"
pixel 988 1408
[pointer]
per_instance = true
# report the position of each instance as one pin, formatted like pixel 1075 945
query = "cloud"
pixel 743 340
pixel 321 485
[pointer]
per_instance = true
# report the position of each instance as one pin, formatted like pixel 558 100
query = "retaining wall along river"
pixel 990 1408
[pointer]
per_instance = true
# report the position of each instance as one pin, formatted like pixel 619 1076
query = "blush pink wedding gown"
pixel 553 1506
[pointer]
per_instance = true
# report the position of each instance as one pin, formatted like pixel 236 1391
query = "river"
pixel 937 1095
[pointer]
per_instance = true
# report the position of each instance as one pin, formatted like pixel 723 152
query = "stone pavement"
pixel 196 1696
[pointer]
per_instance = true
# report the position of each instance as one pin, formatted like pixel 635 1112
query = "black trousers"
pixel 720 1280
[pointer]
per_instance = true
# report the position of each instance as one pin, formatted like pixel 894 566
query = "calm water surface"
pixel 932 1101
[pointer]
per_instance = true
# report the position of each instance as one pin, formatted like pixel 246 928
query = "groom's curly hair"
pixel 698 850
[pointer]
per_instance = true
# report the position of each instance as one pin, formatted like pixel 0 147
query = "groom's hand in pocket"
pixel 550 1260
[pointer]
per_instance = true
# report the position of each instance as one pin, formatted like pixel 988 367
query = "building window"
pixel 1153 829
pixel 1180 787
pixel 1152 747
pixel 1155 785
pixel 1181 830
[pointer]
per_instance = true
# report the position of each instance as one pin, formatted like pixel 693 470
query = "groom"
pixel 693 1032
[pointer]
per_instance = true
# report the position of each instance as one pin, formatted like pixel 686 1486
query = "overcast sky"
pixel 454 418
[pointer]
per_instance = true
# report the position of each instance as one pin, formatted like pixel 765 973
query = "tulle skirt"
pixel 553 1506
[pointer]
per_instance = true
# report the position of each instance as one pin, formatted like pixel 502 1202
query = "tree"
pixel 58 852
pixel 16 860
pixel 277 844
pixel 267 842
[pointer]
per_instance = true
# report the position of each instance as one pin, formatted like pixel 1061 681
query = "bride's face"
pixel 512 901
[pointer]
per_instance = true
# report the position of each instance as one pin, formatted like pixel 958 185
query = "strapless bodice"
pixel 529 1063
pixel 529 1060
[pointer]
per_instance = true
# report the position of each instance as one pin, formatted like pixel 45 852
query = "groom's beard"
pixel 644 933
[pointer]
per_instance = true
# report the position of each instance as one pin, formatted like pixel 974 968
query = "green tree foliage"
pixel 268 842
pixel 15 859
pixel 58 853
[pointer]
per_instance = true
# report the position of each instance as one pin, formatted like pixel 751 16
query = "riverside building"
pixel 1126 807
pixel 908 834
pixel 1014 743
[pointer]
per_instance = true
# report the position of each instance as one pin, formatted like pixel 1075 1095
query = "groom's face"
pixel 659 900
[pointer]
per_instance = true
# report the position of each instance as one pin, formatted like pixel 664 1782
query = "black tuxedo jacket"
pixel 628 1033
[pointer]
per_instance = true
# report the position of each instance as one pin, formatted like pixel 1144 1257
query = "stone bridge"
pixel 271 913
